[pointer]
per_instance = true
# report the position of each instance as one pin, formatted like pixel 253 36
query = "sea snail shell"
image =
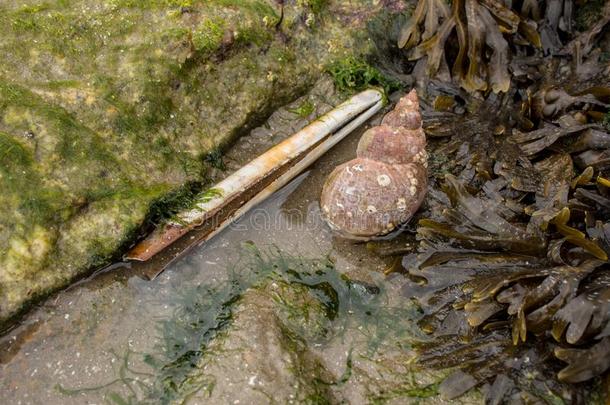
pixel 386 183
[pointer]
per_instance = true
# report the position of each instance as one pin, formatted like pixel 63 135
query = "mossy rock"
pixel 108 107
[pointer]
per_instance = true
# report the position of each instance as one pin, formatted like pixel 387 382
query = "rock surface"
pixel 108 111
pixel 272 310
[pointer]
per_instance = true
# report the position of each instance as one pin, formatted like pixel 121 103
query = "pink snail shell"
pixel 386 183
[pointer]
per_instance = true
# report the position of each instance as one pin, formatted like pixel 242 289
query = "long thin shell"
pixel 217 206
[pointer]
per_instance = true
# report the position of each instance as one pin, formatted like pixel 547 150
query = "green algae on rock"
pixel 351 74
pixel 106 108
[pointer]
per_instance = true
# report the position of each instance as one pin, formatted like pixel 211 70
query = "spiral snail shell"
pixel 386 183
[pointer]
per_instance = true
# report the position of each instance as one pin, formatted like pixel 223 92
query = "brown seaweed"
pixel 512 264
pixel 584 364
pixel 483 44
pixel 584 42
pixel 511 298
pixel 509 368
pixel 480 27
pixel 554 101
pixel 513 257
pixel 598 159
pixel 540 139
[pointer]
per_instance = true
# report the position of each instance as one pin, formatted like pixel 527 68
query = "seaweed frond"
pixel 472 41
pixel 512 270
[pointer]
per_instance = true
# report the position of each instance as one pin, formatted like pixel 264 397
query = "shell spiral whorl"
pixel 386 183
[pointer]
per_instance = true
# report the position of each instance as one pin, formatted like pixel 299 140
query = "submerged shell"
pixel 385 185
pixel 368 198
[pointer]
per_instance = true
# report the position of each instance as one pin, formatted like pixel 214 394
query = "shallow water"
pixel 235 320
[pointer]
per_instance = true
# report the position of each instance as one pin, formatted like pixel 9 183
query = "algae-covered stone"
pixel 108 106
pixel 262 354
